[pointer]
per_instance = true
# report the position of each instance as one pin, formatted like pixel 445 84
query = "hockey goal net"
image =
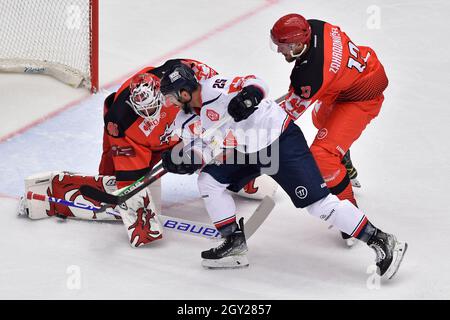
pixel 53 37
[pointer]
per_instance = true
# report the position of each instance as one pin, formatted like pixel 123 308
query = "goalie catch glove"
pixel 175 161
pixel 245 102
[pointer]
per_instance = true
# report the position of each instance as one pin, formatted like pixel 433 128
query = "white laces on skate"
pixel 380 254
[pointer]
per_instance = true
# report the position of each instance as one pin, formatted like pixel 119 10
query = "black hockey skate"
pixel 389 253
pixel 230 254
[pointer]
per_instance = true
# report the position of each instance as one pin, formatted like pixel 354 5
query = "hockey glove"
pixel 184 163
pixel 244 104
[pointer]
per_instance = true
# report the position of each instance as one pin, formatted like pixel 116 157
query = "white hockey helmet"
pixel 145 95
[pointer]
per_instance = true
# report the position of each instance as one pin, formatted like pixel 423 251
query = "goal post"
pixel 53 37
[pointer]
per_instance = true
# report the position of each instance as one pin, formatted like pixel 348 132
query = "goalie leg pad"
pixel 65 186
pixel 140 219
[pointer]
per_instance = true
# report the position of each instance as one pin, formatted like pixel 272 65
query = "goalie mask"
pixel 146 98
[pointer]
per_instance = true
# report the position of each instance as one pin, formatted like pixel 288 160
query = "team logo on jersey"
pixel 306 92
pixel 322 133
pixel 112 129
pixel 212 115
pixel 301 192
pixel 147 126
pixel 165 137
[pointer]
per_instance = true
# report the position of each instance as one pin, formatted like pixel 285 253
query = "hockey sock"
pixel 227 226
pixel 366 232
pixel 344 191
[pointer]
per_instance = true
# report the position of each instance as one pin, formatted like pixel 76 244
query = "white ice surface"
pixel 402 159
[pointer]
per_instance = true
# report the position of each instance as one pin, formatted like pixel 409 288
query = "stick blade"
pixel 98 195
pixel 259 216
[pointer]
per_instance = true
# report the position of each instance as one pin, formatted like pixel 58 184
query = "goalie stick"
pixel 122 195
pixel 178 224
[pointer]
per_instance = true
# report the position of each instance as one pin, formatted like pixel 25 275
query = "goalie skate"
pixel 22 209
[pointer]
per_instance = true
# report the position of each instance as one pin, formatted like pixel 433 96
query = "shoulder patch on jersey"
pixel 112 129
pixel 212 115
pixel 238 83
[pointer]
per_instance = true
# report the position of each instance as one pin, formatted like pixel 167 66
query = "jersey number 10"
pixel 353 61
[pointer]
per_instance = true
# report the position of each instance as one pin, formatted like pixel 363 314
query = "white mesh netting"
pixel 40 35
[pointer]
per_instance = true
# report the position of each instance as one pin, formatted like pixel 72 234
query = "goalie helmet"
pixel 145 95
pixel 290 31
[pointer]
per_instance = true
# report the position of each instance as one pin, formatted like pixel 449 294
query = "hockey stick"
pixel 174 223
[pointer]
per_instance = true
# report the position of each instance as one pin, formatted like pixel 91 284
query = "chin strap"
pixel 299 54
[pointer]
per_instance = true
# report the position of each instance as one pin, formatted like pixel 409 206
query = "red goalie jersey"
pixel 132 144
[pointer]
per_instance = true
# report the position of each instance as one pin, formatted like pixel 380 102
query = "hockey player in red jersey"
pixel 279 150
pixel 344 80
pixel 137 121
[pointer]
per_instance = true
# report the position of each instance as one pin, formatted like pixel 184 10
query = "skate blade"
pixel 399 253
pixel 230 262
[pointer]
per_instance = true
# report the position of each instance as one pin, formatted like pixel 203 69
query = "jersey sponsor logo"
pixel 212 115
pixel 112 129
pixel 126 151
pixel 147 126
pixel 230 140
pixel 322 133
pixel 196 128
pixel 301 192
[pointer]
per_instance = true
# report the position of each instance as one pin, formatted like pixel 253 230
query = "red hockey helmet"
pixel 145 95
pixel 291 29
pixel 289 32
